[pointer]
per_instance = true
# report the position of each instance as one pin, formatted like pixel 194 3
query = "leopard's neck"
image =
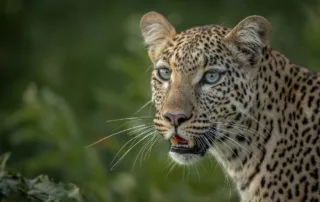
pixel 251 139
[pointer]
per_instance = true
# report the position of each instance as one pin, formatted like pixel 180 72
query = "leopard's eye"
pixel 211 77
pixel 164 73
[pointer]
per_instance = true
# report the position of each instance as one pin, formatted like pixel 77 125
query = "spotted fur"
pixel 262 116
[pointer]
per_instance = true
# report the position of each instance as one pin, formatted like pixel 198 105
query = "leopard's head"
pixel 201 80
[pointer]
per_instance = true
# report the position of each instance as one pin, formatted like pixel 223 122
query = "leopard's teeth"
pixel 191 143
pixel 182 145
pixel 174 141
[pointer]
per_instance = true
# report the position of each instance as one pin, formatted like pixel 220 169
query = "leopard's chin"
pixel 185 159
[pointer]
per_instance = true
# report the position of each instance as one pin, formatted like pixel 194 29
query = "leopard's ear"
pixel 247 40
pixel 156 31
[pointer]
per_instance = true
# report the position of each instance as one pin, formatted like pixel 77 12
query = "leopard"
pixel 225 92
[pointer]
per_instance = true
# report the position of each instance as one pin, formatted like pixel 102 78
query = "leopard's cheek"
pixel 211 100
pixel 159 91
pixel 158 96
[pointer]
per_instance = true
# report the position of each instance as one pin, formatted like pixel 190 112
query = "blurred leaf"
pixel 40 188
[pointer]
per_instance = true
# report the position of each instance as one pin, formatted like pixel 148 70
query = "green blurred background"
pixel 68 66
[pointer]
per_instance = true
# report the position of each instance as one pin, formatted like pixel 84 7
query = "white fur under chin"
pixel 184 159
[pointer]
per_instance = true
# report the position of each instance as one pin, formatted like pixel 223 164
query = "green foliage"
pixel 14 187
pixel 68 66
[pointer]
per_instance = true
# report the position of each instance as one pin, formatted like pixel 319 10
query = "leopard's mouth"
pixel 194 146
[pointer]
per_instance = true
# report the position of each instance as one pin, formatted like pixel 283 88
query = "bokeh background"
pixel 68 66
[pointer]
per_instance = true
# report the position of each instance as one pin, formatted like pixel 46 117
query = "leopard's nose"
pixel 175 119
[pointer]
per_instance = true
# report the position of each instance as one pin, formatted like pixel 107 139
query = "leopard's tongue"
pixel 177 140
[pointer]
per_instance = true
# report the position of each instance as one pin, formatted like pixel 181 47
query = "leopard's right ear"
pixel 156 31
pixel 247 40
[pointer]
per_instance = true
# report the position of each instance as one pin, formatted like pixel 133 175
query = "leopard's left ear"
pixel 156 31
pixel 247 40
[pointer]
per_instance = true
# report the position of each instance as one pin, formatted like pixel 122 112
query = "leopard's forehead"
pixel 194 48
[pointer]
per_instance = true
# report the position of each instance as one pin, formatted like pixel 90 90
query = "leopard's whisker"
pixel 217 151
pixel 183 172
pixel 252 118
pixel 199 178
pixel 141 108
pixel 171 169
pixel 217 163
pixel 147 142
pixel 147 146
pixel 246 151
pixel 120 159
pixel 216 130
pixel 133 132
pixel 204 168
pixel 241 135
pixel 130 118
pixel 114 134
pixel 129 141
pixel 212 163
pixel 233 152
pixel 157 138
pixel 169 164
pixel 188 172
pixel 148 68
pixel 240 126
pixel 126 123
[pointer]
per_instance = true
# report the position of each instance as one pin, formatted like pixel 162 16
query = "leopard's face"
pixel 200 83
pixel 197 89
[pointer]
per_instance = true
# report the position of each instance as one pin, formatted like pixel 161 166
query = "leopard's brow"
pixel 160 63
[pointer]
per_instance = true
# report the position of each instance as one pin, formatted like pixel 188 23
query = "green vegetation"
pixel 14 187
pixel 66 67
